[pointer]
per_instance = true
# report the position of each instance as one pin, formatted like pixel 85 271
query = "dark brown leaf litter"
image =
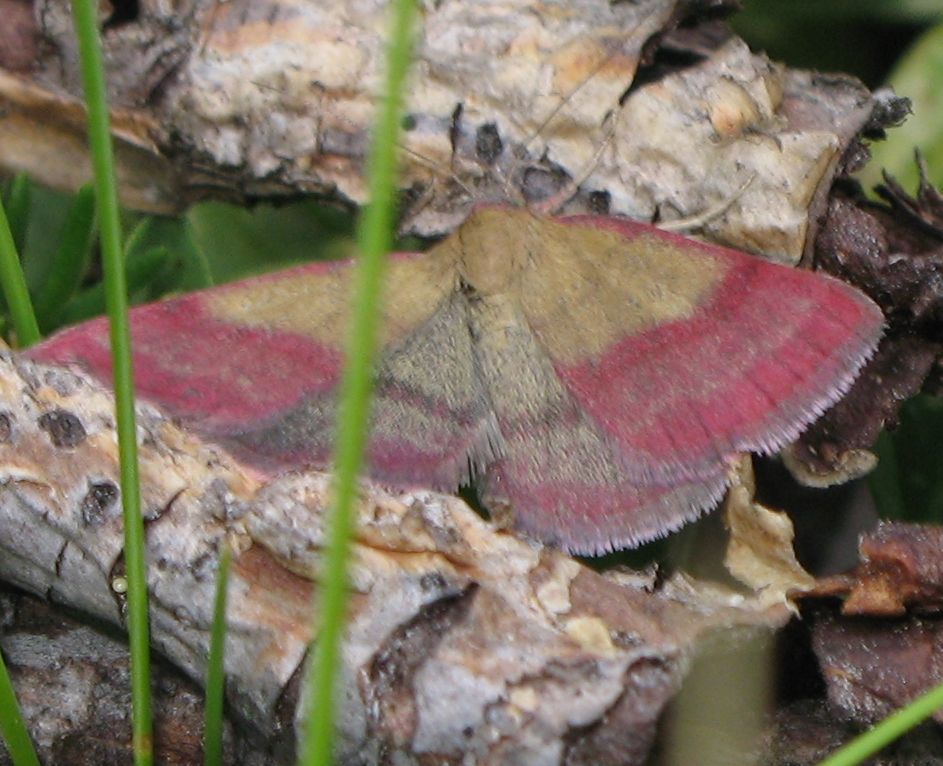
pixel 894 253
pixel 805 732
pixel 885 647
pixel 900 571
pixel 874 667
pixel 73 683
pixel 876 653
pixel 925 210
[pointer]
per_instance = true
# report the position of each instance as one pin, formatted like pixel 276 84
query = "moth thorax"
pixel 493 249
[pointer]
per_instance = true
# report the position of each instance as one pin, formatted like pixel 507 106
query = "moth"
pixel 591 375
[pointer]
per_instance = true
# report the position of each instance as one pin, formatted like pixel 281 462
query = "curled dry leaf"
pixel 901 570
pixel 881 651
pixel 885 648
pixel 759 552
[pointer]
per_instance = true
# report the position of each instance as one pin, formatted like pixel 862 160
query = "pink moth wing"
pixel 591 374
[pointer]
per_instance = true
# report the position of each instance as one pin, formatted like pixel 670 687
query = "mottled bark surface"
pixel 73 686
pixel 511 101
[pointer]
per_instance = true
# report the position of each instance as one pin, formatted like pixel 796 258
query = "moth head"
pixel 494 246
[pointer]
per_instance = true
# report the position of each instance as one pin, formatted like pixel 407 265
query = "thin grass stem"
pixel 888 730
pixel 374 239
pixel 93 80
pixel 18 203
pixel 14 288
pixel 216 668
pixel 19 745
pixel 71 259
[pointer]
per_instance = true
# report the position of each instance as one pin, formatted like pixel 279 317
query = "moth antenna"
pixel 208 28
pixel 437 173
pixel 576 89
pixel 511 192
pixel 435 167
pixel 698 220
pixel 499 173
pixel 553 204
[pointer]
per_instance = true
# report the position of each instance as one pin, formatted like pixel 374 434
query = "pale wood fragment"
pixel 508 100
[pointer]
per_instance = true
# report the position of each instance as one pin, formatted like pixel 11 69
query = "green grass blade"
pixel 192 270
pixel 374 238
pixel 195 259
pixel 888 730
pixel 140 272
pixel 70 261
pixel 14 732
pixel 216 668
pixel 18 204
pixel 93 81
pixel 14 287
pixel 137 238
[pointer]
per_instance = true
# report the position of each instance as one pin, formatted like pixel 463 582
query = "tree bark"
pixel 516 101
